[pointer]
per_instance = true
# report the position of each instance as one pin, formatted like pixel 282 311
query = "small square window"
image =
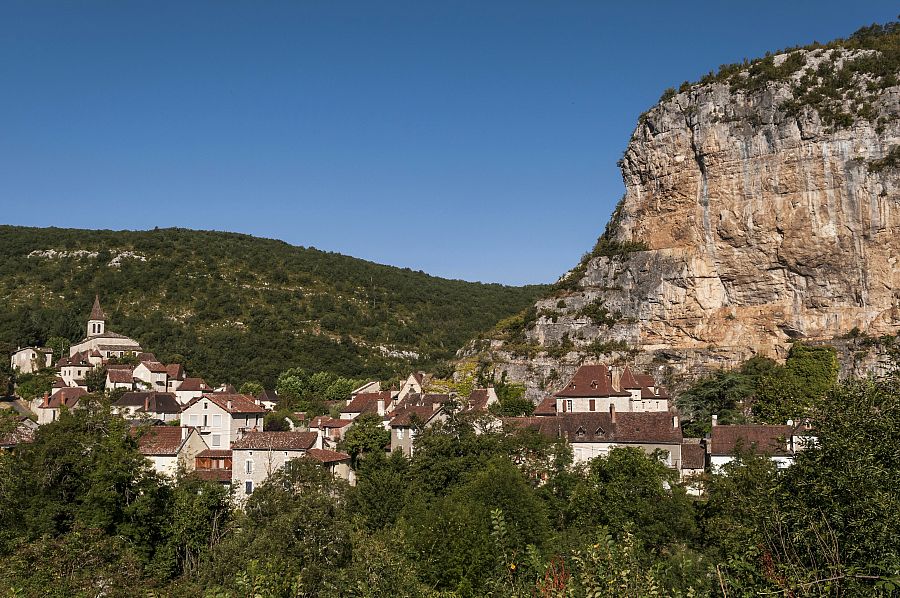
pixel 248 487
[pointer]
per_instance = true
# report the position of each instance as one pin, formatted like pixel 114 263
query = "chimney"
pixel 381 406
pixel 147 403
pixel 715 420
pixel 184 433
pixel 674 421
pixel 229 404
pixel 612 413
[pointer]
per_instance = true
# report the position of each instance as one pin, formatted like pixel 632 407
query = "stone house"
pixel 119 376
pixel 330 430
pixel 223 418
pixel 414 384
pixel 28 360
pixel 268 399
pixel 257 455
pixel 74 368
pixel 594 388
pixel 48 408
pixel 380 403
pixel 170 447
pixel 175 375
pixel 412 414
pixel 151 375
pixel 335 462
pixel 152 405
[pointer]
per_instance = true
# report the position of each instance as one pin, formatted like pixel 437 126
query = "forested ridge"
pixel 233 307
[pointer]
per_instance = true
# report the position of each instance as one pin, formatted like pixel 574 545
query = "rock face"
pixel 761 223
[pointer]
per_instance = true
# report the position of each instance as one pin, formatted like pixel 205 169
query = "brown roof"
pixel 215 453
pixel 175 371
pixel 724 440
pixel 214 475
pixel 638 428
pixel 292 441
pixel 269 396
pixel 628 381
pixel 97 311
pixel 367 402
pixel 65 396
pixel 145 356
pixel 546 407
pixel 239 403
pixel 160 440
pixel 151 402
pixel 478 400
pixel 195 384
pixel 662 393
pixel 326 456
pixel 693 455
pixel 59 383
pixel 590 381
pixel 79 359
pixel 155 367
pixel 120 376
pixel 405 416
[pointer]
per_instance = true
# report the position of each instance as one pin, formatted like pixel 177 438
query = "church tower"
pixel 97 321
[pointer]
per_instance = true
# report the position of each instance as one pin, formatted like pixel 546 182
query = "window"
pixel 592 404
pixel 248 487
pixel 250 466
pixel 217 440
pixel 399 433
pixel 205 404
pixel 204 420
pixel 217 421
pixel 567 405
pixel 193 419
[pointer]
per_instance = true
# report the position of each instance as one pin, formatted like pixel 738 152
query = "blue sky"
pixel 473 140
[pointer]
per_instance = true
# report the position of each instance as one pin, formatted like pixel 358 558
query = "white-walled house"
pixel 381 403
pixel 594 388
pixel 223 418
pixel 48 409
pixel 153 374
pixel 190 389
pixel 257 455
pixel 119 376
pixel 170 447
pixel 28 360
pixel 779 443
pixel 73 369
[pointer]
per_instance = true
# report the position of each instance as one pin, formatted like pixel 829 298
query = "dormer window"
pixel 593 384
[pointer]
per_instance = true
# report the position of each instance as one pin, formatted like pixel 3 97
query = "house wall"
pixel 601 404
pixel 116 346
pixel 265 463
pixel 402 439
pixel 166 465
pixel 213 422
pixel 186 396
pixel 28 361
pixel 190 448
pixel 585 451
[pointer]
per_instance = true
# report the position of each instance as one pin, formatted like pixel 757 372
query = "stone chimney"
pixel 674 421
pixel 229 404
pixel 715 420
pixel 381 406
pixel 147 403
pixel 184 433
pixel 612 413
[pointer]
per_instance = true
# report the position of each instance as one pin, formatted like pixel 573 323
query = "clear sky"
pixel 469 139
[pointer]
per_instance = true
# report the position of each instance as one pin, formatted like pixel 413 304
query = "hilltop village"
pixel 184 425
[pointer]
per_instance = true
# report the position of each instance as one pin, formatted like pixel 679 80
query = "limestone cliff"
pixel 762 205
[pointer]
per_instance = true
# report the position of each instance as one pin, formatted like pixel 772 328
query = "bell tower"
pixel 97 321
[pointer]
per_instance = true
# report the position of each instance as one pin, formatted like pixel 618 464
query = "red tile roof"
pixel 175 371
pixel 478 400
pixel 120 376
pixel 155 367
pixel 160 441
pixel 591 381
pixel 150 402
pixel 637 428
pixel 238 403
pixel 64 396
pixel 215 453
pixel 292 441
pixel 406 416
pixel 628 381
pixel 770 440
pixel 97 311
pixel 326 456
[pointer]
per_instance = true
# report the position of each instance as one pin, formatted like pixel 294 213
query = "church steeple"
pixel 97 320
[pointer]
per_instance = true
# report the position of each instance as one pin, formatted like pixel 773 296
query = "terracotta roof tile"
pixel 120 376
pixel 215 453
pixel 771 440
pixel 293 441
pixel 635 428
pixel 405 416
pixel 64 396
pixel 151 402
pixel 590 381
pixel 194 384
pixel 367 402
pixel 693 455
pixel 238 403
pixel 160 440
pixel 326 456
pixel 546 407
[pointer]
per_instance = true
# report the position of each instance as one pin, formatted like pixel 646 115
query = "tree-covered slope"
pixel 234 307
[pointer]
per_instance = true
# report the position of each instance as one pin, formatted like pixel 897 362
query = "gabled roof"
pixel 175 371
pixel 97 311
pixel 150 402
pixel 628 380
pixel 367 402
pixel 215 453
pixel 281 441
pixel 269 396
pixel 591 381
pixel 120 375
pixel 64 397
pixel 232 403
pixel 763 439
pixel 194 384
pixel 59 383
pixel 326 456
pixel 155 367
pixel 405 416
pixel 478 400
pixel 160 441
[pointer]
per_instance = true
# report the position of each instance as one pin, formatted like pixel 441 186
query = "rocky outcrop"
pixel 758 219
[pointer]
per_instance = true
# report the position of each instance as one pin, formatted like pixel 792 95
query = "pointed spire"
pixel 97 311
